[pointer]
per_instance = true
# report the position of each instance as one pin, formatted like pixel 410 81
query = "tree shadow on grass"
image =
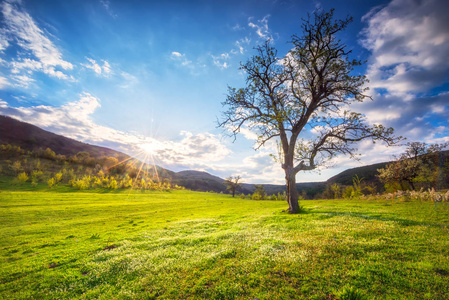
pixel 367 216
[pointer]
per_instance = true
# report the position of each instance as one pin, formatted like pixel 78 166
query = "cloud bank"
pixel 408 67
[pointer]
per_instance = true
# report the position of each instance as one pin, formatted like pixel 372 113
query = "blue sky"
pixel 151 75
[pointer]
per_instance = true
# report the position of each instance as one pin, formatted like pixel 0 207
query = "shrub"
pixel 112 184
pixel 348 192
pixel 256 196
pixel 81 184
pixel 16 167
pixel 37 176
pixel 282 196
pixel 51 182
pixel 22 177
pixel 58 177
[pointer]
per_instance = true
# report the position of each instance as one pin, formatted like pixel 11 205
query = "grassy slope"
pixel 194 245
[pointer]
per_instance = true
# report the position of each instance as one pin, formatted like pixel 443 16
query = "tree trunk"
pixel 292 193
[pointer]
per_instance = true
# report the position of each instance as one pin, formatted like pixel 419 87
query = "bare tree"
pixel 303 100
pixel 232 184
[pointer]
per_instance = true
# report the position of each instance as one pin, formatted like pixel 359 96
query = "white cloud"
pixel 221 60
pixel 3 82
pixel 107 6
pixel 22 29
pixel 22 80
pixel 74 120
pixel 409 44
pixel 240 45
pixel 181 58
pixel 104 70
pixel 3 40
pixel 409 41
pixel 261 27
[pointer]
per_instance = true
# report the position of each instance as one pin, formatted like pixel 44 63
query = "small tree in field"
pixel 232 184
pixel 302 100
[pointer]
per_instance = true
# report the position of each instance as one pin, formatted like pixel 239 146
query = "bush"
pixel 58 177
pixel 22 177
pixel 37 176
pixel 348 192
pixel 112 184
pixel 51 182
pixel 256 196
pixel 282 196
pixel 81 184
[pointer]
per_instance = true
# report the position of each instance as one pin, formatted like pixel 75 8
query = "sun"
pixel 147 148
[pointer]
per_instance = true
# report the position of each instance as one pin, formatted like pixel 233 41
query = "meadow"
pixel 65 244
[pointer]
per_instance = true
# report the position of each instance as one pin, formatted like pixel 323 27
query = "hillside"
pixel 30 137
pixel 368 173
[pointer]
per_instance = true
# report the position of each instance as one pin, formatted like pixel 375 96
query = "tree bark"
pixel 292 192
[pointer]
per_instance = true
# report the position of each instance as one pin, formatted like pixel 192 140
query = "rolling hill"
pixel 30 137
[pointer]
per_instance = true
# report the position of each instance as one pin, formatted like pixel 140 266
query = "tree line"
pixel 80 171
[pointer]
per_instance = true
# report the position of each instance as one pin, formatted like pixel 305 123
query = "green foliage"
pixel 351 293
pixel 127 182
pixel 357 187
pixel 282 196
pixel 82 183
pixel 48 153
pixel 336 190
pixel 16 167
pixel 80 171
pixel 37 175
pixel 259 193
pixel 113 184
pixel 22 177
pixel 348 192
pixel 51 182
pixel 58 177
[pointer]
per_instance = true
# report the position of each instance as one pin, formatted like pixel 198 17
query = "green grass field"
pixel 191 245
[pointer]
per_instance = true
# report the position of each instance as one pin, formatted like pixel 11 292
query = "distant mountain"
pixel 30 137
pixel 199 181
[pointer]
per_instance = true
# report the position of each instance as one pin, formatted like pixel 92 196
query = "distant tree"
pixel 22 177
pixel 419 163
pixel 309 88
pixel 232 184
pixel 336 190
pixel 259 193
pixel 48 153
pixel 16 167
pixel 82 157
